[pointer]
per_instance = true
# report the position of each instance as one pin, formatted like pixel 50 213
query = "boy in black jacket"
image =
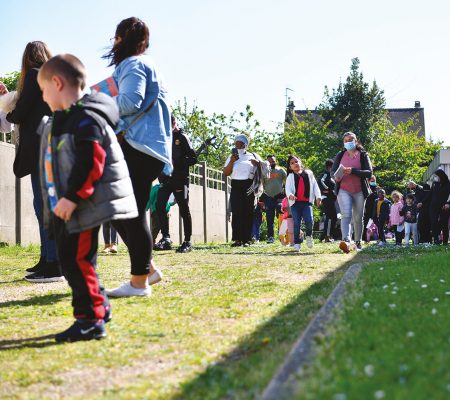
pixel 381 210
pixel 85 182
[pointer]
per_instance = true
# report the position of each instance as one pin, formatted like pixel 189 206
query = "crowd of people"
pixel 94 158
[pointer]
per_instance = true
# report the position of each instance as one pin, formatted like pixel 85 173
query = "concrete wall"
pixel 29 232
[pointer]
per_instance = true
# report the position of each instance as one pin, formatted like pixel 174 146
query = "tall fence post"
pixel 205 186
pixel 18 202
pixel 227 211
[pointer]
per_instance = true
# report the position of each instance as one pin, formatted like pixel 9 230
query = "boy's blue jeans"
pixel 302 209
pixel 48 246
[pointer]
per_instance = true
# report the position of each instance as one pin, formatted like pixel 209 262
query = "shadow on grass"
pixel 13 281
pixel 34 342
pixel 248 368
pixel 36 300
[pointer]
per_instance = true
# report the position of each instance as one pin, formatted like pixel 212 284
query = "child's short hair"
pixel 66 65
pixel 410 196
pixel 397 193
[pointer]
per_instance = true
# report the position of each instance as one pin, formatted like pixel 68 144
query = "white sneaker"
pixel 309 242
pixel 126 290
pixel 296 247
pixel 155 277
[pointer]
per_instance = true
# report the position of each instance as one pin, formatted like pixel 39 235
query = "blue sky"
pixel 223 55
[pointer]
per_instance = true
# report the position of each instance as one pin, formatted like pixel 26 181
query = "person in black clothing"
pixel 370 201
pixel 183 156
pixel 422 200
pixel 380 215
pixel 327 185
pixel 28 113
pixel 439 206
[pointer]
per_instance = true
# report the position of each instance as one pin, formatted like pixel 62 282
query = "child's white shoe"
pixel 309 242
pixel 296 247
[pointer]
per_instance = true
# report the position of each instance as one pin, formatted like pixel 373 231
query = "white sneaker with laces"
pixel 126 290
pixel 309 242
pixel 296 247
pixel 155 277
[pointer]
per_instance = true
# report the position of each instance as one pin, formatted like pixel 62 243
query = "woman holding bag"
pixel 145 134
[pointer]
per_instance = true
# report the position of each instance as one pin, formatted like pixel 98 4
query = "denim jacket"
pixel 139 85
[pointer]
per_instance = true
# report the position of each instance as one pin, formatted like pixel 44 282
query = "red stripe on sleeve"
pixel 99 157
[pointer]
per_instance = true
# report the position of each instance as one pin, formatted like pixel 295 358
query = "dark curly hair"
pixel 135 39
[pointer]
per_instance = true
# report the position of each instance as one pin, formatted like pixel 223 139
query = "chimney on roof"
pixel 417 104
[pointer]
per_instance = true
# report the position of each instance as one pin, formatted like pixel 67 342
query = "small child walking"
pixel 85 182
pixel 286 231
pixel 380 215
pixel 410 212
pixel 301 190
pixel 396 220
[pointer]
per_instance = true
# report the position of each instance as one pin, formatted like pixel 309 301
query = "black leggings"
pixel 180 191
pixel 136 234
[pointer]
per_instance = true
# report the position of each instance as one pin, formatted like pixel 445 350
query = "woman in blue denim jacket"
pixel 146 138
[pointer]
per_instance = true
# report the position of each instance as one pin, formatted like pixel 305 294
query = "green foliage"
pixel 354 106
pixel 398 154
pixel 11 80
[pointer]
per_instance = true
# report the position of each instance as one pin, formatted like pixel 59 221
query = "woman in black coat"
pixel 439 206
pixel 28 113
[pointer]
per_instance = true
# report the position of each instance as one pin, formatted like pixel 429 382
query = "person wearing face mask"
pixel 273 194
pixel 352 188
pixel 371 198
pixel 439 207
pixel 241 166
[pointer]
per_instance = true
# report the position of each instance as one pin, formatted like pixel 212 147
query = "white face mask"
pixel 241 151
pixel 437 179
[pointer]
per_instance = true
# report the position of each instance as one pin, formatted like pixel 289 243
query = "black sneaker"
pixel 50 272
pixel 164 244
pixel 83 330
pixel 185 247
pixel 108 314
pixel 40 264
pixel 270 240
pixel 237 243
pixel 358 246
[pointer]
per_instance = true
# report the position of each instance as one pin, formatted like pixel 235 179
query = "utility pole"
pixel 286 95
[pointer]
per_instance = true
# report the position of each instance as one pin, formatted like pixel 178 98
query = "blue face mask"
pixel 350 145
pixel 373 184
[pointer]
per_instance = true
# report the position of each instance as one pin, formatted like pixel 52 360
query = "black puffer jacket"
pixel 30 109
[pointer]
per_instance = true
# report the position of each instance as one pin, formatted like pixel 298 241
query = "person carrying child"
pixel 410 212
pixel 301 190
pixel 381 215
pixel 396 219
pixel 85 182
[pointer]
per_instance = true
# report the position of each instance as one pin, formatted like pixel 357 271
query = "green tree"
pixel 399 154
pixel 11 80
pixel 353 106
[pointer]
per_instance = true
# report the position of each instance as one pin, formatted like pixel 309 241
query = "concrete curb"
pixel 281 385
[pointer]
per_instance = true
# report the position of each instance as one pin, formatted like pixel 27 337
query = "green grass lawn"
pixel 217 327
pixel 392 338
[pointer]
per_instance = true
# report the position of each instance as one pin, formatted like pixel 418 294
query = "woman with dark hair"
pixel 301 190
pixel 145 134
pixel 354 169
pixel 28 112
pixel 440 206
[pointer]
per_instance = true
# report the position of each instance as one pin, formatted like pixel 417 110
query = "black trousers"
pixel 135 232
pixel 380 225
pixel 398 235
pixel 77 254
pixel 439 223
pixel 424 226
pixel 180 191
pixel 241 210
pixel 329 208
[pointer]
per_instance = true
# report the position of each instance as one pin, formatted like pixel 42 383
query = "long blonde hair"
pixel 35 54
